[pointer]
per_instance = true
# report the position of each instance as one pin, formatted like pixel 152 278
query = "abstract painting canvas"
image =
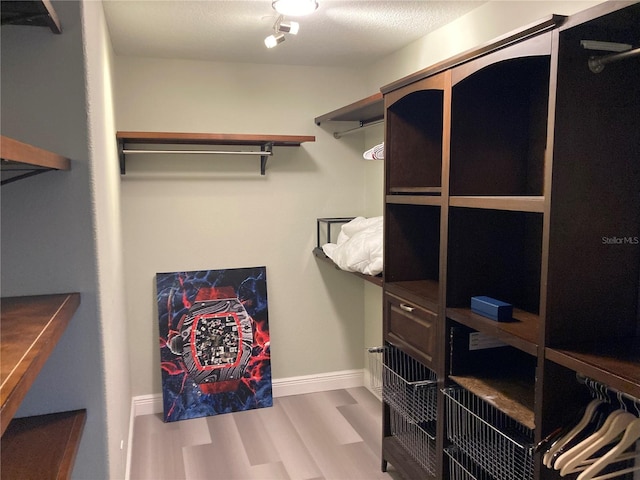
pixel 215 351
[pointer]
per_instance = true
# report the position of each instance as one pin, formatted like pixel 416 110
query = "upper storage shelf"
pixel 38 13
pixel 20 160
pixel 368 111
pixel 265 142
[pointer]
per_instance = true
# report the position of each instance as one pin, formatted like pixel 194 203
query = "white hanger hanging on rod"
pixel 572 461
pixel 589 412
pixel 615 455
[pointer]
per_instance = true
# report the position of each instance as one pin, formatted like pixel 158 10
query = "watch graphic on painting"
pixel 215 340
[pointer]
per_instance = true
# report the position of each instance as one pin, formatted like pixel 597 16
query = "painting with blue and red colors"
pixel 214 342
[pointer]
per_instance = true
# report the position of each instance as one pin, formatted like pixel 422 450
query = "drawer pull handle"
pixel 406 307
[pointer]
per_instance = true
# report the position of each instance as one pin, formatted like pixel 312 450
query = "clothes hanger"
pixel 615 455
pixel 616 423
pixel 588 416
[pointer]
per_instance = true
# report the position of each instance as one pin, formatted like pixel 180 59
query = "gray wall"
pixel 48 242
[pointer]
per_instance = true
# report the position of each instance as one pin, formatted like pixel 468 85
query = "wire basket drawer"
pixel 494 441
pixel 408 386
pixel 461 467
pixel 417 442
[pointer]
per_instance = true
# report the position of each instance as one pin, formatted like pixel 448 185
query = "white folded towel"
pixel 375 153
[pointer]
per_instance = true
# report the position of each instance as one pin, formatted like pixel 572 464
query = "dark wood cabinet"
pixel 513 171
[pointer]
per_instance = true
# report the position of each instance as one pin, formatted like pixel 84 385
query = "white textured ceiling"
pixel 338 33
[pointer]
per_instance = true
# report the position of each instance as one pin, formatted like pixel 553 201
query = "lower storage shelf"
pixel 41 447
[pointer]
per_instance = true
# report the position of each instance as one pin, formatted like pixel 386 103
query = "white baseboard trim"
pixel 150 404
pixel 318 383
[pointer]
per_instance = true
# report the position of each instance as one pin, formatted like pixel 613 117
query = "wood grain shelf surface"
pixel 367 110
pixel 21 160
pixel 521 333
pixel 533 204
pixel 30 328
pixel 212 138
pixel 615 363
pixel 432 200
pixel 514 397
pixel 42 447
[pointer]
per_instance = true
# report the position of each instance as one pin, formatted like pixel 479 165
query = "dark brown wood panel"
pixel 615 362
pixel 521 333
pixel 43 447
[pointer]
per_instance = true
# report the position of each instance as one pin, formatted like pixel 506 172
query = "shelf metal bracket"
pixel 123 166
pixel 267 148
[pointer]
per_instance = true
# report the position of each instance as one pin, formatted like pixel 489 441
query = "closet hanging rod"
pixel 597 64
pixel 355 129
pixel 589 382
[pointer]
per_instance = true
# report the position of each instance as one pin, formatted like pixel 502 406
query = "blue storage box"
pixel 492 308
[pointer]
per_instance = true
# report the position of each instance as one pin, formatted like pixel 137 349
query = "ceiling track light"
pixel 294 8
pixel 279 29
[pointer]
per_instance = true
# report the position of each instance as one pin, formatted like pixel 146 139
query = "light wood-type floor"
pixel 333 435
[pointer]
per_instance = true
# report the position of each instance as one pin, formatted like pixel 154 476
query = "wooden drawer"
pixel 411 328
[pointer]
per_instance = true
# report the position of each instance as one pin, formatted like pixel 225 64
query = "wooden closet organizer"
pixel 511 171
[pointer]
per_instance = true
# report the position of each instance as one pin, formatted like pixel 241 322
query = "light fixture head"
pixel 286 27
pixel 289 27
pixel 273 40
pixel 294 8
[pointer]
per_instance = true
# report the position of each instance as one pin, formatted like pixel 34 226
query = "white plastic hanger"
pixel 615 455
pixel 615 424
pixel 564 440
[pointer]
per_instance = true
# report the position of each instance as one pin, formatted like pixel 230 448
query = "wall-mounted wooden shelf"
pixel 368 111
pixel 38 13
pixel 265 142
pixel 42 446
pixel 30 327
pixel 21 160
pixel 377 280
